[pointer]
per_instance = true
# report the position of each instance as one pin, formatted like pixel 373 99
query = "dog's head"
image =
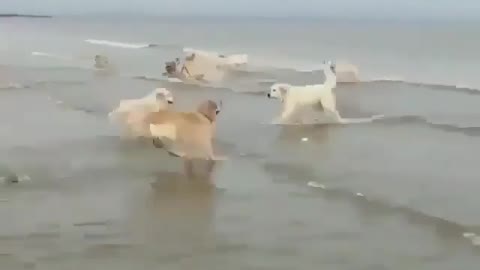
pixel 170 67
pixel 162 94
pixel 101 61
pixel 190 57
pixel 278 91
pixel 210 109
pixel 331 65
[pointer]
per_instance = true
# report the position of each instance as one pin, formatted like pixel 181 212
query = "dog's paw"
pixel 157 143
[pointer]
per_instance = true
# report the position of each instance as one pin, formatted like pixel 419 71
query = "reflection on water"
pixel 177 217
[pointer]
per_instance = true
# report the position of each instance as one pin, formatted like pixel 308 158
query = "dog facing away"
pixel 222 60
pixel 319 97
pixel 131 112
pixel 103 66
pixel 101 62
pixel 187 134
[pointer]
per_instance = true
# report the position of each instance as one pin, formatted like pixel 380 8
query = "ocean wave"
pixel 448 87
pixel 419 120
pixel 179 84
pixel 368 205
pixel 473 131
pixel 444 227
pixel 348 77
pixel 12 86
pixel 351 73
pixel 121 44
pixel 52 55
pixel 96 111
pixel 148 78
pixel 335 120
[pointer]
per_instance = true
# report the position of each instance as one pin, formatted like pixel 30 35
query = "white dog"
pixel 319 96
pixel 232 60
pixel 130 112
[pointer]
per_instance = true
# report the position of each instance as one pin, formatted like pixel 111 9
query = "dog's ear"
pixel 160 96
pixel 208 109
pixel 283 89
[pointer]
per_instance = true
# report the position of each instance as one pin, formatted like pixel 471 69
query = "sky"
pixel 346 8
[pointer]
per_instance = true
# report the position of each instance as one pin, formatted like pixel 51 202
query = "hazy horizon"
pixel 448 9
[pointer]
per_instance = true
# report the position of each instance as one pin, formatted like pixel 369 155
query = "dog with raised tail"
pixel 319 97
pixel 188 135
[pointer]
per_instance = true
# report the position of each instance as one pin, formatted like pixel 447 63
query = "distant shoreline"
pixel 23 16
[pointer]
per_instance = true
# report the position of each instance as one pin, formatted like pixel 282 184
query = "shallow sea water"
pixel 395 193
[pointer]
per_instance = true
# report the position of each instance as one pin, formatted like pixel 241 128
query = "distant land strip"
pixel 10 15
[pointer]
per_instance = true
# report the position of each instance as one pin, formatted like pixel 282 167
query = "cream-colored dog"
pixel 319 97
pixel 132 112
pixel 189 134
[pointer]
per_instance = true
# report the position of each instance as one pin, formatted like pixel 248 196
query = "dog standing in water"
pixel 319 97
pixel 187 134
pixel 131 112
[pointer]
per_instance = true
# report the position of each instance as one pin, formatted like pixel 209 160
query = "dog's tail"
pixel 117 115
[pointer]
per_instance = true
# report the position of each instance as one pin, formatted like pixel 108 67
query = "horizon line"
pixel 357 17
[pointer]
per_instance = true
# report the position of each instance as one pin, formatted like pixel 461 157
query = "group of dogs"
pixel 190 134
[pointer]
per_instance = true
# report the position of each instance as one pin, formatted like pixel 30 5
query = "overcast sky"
pixel 374 8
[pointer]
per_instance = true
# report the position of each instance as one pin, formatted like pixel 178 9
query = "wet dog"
pixel 319 97
pixel 187 135
pixel 131 112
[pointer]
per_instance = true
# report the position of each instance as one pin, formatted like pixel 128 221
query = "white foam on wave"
pixel 119 44
pixel 399 79
pixel 51 55
pixel 361 120
pixel 11 85
pixel 175 80
pixel 329 120
pixel 386 79
pixel 315 184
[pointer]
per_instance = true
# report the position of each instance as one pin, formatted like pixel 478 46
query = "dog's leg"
pixel 188 165
pixel 288 111
pixel 318 106
pixel 211 161
pixel 157 143
pixel 210 166
pixel 210 158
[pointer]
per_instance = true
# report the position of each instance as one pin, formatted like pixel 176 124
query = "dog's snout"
pixel 217 112
pixel 268 95
pixel 170 101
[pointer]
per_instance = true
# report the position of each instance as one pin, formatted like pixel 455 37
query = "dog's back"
pixel 142 105
pixel 185 122
pixel 191 132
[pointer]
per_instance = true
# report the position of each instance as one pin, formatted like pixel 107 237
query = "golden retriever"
pixel 186 134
